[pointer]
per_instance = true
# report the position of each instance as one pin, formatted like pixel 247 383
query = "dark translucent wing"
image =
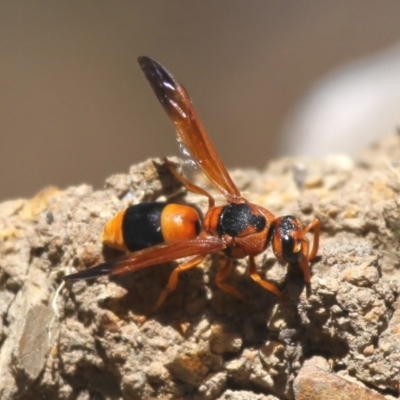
pixel 190 131
pixel 159 254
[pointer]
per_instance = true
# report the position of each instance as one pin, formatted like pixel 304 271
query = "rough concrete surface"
pixel 87 342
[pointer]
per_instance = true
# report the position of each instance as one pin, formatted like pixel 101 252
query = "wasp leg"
pixel 222 275
pixel 173 280
pixel 189 185
pixel 305 247
pixel 314 225
pixel 257 278
pixel 304 262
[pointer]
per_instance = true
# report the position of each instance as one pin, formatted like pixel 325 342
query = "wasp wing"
pixel 159 254
pixel 190 131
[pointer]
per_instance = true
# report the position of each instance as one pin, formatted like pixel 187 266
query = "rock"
pixel 87 340
pixel 313 383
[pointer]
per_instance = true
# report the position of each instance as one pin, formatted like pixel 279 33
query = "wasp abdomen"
pixel 148 224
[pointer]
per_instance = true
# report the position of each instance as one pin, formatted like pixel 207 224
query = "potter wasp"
pixel 156 233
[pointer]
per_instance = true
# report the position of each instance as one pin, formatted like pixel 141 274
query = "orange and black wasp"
pixel 157 232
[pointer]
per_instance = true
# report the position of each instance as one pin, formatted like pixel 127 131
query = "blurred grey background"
pixel 74 106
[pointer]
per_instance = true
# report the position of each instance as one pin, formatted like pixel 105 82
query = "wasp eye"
pixel 291 249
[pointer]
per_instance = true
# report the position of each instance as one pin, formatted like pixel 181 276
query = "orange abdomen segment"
pixel 179 222
pixel 112 234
